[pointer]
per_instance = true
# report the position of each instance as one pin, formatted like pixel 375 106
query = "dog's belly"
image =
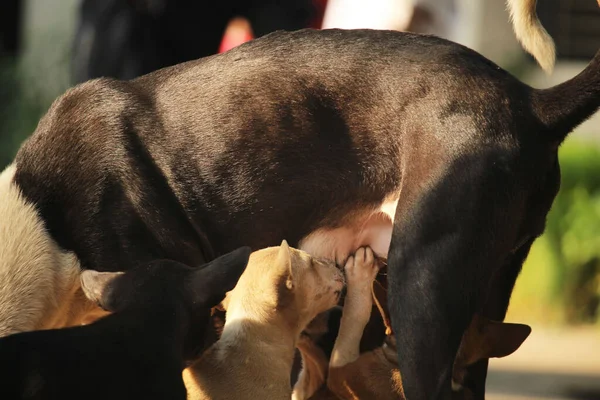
pixel 368 227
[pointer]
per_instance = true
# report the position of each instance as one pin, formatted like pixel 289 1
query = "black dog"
pixel 327 139
pixel 161 311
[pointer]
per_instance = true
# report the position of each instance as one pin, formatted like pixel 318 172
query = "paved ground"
pixel 557 365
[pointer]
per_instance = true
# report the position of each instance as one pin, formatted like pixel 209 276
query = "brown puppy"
pixel 280 292
pixel 375 374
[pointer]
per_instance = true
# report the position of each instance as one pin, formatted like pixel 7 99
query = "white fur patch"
pixel 37 279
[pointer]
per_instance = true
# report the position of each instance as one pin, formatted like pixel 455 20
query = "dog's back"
pixel 358 92
pixel 349 94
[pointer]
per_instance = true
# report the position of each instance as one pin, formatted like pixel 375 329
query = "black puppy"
pixel 415 146
pixel 161 311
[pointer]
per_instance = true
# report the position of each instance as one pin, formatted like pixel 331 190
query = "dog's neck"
pixel 246 310
pixel 268 327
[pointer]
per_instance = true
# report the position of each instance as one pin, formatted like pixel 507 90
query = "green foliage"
pixel 560 282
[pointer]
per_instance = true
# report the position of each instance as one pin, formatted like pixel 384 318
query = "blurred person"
pixel 437 17
pixel 237 32
pixel 127 38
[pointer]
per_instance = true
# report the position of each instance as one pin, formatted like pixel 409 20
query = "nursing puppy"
pixel 280 292
pixel 160 313
pixel 352 375
pixel 418 147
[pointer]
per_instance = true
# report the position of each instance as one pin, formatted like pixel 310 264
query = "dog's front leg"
pixel 450 234
pixel 361 270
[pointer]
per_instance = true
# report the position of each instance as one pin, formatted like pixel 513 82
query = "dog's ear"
pixel 502 339
pixel 94 284
pixel 487 339
pixel 212 281
pixel 284 263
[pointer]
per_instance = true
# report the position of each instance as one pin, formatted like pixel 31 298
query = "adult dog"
pixel 332 140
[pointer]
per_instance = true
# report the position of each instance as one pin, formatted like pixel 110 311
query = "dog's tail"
pixel 563 107
pixel 530 32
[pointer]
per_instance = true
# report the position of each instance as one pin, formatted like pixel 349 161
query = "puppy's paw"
pixel 361 269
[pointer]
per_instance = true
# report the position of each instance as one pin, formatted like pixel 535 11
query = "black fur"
pixel 161 312
pixel 289 133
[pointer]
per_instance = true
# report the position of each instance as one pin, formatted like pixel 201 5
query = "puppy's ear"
pixel 212 281
pixel 486 339
pixel 284 263
pixel 94 284
pixel 502 339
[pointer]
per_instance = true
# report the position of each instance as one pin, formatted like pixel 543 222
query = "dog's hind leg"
pixel 452 230
pixel 314 370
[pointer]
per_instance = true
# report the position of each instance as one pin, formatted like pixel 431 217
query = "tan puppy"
pixel 280 292
pixel 375 374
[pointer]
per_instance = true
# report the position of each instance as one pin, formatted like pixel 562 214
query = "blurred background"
pixel 47 46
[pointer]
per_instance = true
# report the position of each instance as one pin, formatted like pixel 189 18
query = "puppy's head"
pixel 284 282
pixel 166 283
pixel 484 338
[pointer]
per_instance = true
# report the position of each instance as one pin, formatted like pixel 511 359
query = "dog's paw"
pixel 361 269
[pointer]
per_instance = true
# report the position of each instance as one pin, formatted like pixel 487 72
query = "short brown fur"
pixel 280 292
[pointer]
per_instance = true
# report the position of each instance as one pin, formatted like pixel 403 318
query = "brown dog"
pixel 280 292
pixel 375 374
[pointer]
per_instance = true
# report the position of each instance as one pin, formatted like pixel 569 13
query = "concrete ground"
pixel 551 364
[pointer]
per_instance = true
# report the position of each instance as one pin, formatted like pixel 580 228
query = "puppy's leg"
pixel 314 369
pixel 360 273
